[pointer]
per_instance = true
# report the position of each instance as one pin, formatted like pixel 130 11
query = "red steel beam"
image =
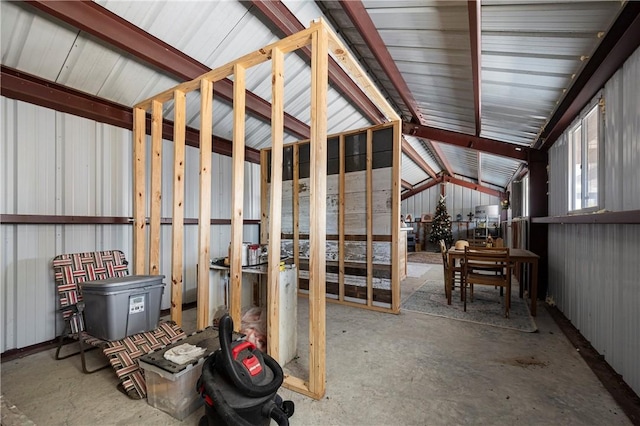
pixel 109 27
pixel 478 143
pixel 406 184
pixel 34 90
pixel 280 16
pixel 479 156
pixel 622 39
pixel 474 186
pixel 363 24
pixel 475 28
pixel 417 158
pixel 418 189
pixel 442 157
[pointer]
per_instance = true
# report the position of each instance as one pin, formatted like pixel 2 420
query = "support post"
pixel 237 194
pixel 156 187
pixel 275 203
pixel 318 209
pixel 139 219
pixel 177 226
pixel 204 214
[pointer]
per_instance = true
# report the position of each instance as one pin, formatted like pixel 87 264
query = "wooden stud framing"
pixel 237 194
pixel 156 188
pixel 204 216
pixel 296 206
pixel 322 39
pixel 264 184
pixel 395 217
pixel 341 221
pixel 177 230
pixel 318 209
pixel 139 196
pixel 275 203
pixel 369 199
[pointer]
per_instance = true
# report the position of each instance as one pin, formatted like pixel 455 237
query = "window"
pixel 584 142
pixel 525 196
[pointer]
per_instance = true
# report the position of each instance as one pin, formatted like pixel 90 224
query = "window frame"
pixel 581 124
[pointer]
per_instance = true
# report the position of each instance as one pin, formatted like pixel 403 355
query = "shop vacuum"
pixel 239 384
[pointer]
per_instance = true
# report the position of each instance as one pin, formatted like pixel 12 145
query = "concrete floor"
pixel 382 369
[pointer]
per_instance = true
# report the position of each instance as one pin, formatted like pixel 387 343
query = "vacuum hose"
pixel 273 411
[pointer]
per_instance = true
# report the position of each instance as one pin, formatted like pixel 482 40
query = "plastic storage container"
pixel 173 393
pixel 121 306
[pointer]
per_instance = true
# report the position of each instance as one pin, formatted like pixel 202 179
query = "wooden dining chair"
pixel 487 266
pixel 452 273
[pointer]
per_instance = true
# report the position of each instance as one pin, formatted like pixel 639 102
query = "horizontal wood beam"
pixel 34 90
pixel 490 146
pixel 98 21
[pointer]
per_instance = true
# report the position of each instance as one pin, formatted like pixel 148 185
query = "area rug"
pixel 416 270
pixel 486 308
pixel 425 257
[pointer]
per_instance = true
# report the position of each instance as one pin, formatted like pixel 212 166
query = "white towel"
pixel 184 353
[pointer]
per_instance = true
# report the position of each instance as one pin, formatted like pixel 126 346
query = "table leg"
pixel 534 286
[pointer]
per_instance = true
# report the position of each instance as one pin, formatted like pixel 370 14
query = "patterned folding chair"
pixel 71 269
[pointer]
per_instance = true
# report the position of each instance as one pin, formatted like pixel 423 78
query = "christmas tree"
pixel 441 225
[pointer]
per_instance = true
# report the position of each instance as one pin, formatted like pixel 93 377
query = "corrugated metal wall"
pixel 59 164
pixel 460 200
pixel 594 270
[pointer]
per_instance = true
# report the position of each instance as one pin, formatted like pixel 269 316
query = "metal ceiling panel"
pixel 464 162
pixel 411 172
pixel 427 62
pixel 497 171
pixel 421 147
pixel 32 43
pixel 531 52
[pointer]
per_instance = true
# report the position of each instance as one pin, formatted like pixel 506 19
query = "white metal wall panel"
pixel 613 143
pixel 631 132
pixel 58 164
pixel 459 200
pixel 28 153
pixel 559 177
pixel 594 269
pixel 596 286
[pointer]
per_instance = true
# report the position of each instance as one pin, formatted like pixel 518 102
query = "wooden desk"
pixel 517 256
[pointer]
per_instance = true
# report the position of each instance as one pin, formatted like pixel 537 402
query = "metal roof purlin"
pixel 94 19
pixel 279 15
pixel 468 141
pixel 363 24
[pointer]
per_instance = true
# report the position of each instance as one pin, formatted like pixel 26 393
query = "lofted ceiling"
pixel 481 86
